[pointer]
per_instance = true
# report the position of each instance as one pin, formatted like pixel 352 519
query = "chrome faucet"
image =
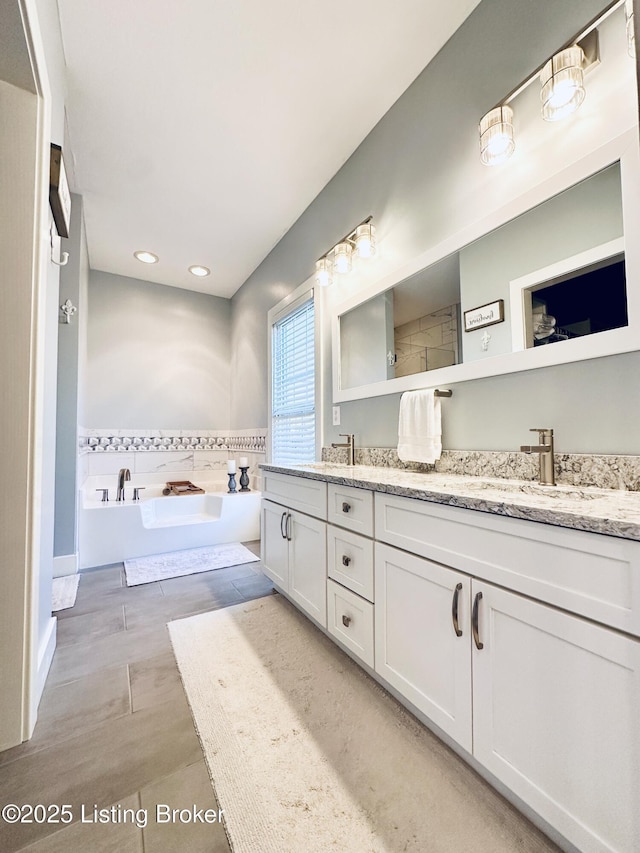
pixel 123 476
pixel 350 445
pixel 547 475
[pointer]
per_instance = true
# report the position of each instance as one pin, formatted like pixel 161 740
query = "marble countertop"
pixel 613 512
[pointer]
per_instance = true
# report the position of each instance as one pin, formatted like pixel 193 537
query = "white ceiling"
pixel 202 129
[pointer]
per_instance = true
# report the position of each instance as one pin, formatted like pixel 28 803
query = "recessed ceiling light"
pixel 196 269
pixel 146 257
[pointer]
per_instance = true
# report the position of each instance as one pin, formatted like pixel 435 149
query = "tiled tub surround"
pixel 572 469
pixel 180 454
pixel 612 512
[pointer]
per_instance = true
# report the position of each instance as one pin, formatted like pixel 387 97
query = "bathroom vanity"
pixel 505 615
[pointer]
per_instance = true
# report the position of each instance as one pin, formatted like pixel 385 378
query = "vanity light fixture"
pixel 146 257
pixel 361 242
pixel 496 136
pixel 630 21
pixel 563 91
pixel 196 269
pixel 562 81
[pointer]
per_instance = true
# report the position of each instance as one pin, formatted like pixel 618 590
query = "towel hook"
pixel 445 392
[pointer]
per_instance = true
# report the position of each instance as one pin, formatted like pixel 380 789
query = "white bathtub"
pixel 112 532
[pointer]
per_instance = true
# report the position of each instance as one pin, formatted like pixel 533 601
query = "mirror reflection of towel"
pixel 419 427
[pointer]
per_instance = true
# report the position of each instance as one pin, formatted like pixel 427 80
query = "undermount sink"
pixel 558 492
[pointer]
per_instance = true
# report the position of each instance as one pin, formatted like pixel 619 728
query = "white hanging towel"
pixel 419 427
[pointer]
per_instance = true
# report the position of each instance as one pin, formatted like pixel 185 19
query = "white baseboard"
pixel 65 565
pixel 46 651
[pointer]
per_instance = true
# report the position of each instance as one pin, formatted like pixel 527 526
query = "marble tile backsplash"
pixel 575 469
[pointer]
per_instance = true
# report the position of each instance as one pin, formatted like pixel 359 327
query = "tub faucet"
pixel 123 476
pixel 545 451
pixel 350 445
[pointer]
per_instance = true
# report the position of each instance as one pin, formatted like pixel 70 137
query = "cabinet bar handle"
pixel 346 621
pixel 454 610
pixel 345 560
pixel 288 526
pixel 474 621
pixel 282 518
pixel 345 506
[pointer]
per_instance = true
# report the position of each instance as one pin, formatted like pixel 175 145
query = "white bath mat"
pixel 307 753
pixel 64 592
pixel 160 567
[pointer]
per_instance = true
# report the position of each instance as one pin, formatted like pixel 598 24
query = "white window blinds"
pixel 293 434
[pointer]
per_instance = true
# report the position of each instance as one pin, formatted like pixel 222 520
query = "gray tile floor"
pixel 114 728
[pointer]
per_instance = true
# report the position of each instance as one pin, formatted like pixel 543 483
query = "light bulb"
pixel 562 84
pixel 342 258
pixel 496 136
pixel 323 272
pixel 365 240
pixel 196 269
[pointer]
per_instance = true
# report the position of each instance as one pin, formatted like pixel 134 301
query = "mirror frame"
pixel 625 149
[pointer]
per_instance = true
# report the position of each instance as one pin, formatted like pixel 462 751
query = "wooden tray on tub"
pixel 184 487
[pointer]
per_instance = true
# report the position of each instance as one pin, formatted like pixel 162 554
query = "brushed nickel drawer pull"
pixel 345 506
pixel 346 621
pixel 346 560
pixel 454 610
pixel 474 621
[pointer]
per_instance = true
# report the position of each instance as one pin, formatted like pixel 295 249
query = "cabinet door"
pixel 274 547
pixel 417 648
pixel 308 565
pixel 556 717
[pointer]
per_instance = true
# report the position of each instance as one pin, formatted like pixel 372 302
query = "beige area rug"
pixel 307 753
pixel 64 592
pixel 176 564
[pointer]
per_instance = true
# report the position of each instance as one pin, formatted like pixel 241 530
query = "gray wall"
pixel 157 356
pixel 73 283
pixel 406 174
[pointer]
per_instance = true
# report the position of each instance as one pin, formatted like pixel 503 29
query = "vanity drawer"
pixel 301 493
pixel 350 560
pixel 350 620
pixel 585 573
pixel 351 508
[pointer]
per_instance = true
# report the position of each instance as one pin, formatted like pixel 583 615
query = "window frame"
pixel 303 293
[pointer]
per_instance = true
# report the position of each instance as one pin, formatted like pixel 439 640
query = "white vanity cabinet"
pixel 294 543
pixel 544 699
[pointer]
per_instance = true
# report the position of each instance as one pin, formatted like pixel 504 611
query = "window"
pixel 293 415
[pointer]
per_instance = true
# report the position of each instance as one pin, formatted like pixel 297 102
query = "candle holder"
pixel 232 483
pixel 244 480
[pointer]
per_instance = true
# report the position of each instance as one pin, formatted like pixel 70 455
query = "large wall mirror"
pixel 548 277
pixel 554 284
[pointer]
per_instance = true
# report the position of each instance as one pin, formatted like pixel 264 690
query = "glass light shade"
pixel 631 36
pixel 496 136
pixel 146 257
pixel 365 240
pixel 342 258
pixel 562 84
pixel 323 272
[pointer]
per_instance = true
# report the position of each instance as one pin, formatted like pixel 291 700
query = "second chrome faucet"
pixel 544 450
